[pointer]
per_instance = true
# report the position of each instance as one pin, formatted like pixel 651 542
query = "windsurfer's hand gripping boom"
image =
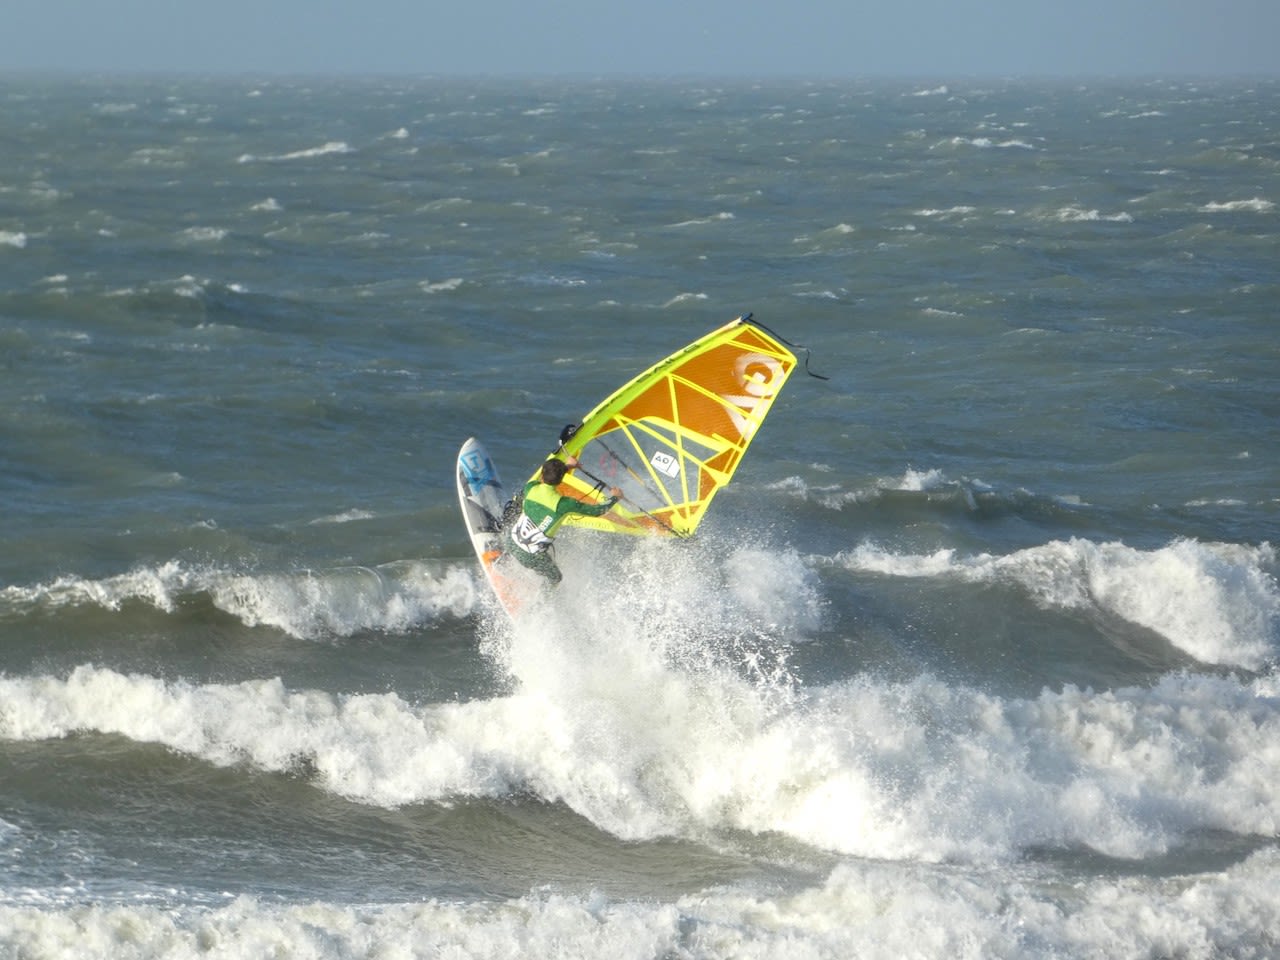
pixel 574 463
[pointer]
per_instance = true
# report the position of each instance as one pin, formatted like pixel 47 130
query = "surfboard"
pixel 482 499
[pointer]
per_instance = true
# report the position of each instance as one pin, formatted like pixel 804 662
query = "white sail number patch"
pixel 665 463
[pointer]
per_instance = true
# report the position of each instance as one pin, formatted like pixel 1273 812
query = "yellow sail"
pixel 673 437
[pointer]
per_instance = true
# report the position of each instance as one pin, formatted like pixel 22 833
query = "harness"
pixel 534 535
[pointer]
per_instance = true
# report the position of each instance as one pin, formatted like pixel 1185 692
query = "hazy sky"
pixel 918 38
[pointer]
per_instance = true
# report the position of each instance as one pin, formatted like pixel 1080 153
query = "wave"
pixel 1074 214
pixel 683 298
pixel 347 516
pixel 654 695
pixel 658 700
pixel 868 910
pixel 327 149
pixel 441 286
pixel 698 222
pixel 203 234
pixel 1217 602
pixel 986 143
pixel 958 211
pixel 1255 205
pixel 916 771
pixel 308 604
pixel 933 482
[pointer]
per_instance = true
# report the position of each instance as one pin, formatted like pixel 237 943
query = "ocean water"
pixel 977 657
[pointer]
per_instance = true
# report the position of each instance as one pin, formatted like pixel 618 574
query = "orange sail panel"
pixel 673 437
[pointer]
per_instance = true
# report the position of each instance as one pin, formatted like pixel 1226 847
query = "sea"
pixel 978 656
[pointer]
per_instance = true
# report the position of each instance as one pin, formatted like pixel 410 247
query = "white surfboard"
pixel 482 499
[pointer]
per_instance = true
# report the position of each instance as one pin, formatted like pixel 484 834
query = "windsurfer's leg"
pixel 540 563
pixel 547 567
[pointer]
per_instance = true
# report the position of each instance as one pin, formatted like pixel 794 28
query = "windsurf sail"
pixel 672 438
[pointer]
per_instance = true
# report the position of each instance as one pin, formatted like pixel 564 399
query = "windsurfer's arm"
pixel 574 505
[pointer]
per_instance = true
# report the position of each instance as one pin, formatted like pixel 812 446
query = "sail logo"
pixel 478 469
pixel 757 375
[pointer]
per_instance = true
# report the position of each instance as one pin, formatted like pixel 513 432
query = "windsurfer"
pixel 543 508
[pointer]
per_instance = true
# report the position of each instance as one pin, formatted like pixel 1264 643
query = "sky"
pixel 751 38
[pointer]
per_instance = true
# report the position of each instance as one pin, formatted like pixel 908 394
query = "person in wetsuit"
pixel 542 511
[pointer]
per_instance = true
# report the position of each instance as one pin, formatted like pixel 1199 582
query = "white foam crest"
pixel 683 298
pixel 344 602
pixel 445 203
pixel 870 911
pixel 932 481
pixel 440 286
pixel 925 771
pixel 153 585
pixel 347 516
pixel 957 211
pixel 1216 602
pixel 646 735
pixel 703 221
pixel 831 496
pixel 158 156
pixel 873 911
pixel 653 695
pixel 13 238
pixel 203 234
pixel 986 143
pixel 308 604
pixel 919 480
pixel 1073 214
pixel 1254 205
pixel 375 748
pixel 671 710
pixel 327 149
pixel 865 909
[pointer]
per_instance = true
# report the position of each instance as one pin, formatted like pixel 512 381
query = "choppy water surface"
pixel 976 657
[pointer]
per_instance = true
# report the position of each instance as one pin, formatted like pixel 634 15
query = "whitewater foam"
pixel 866 910
pixel 327 149
pixel 1217 602
pixel 651 727
pixel 1074 214
pixel 1254 205
pixel 308 604
pixel 916 771
pixel 931 481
